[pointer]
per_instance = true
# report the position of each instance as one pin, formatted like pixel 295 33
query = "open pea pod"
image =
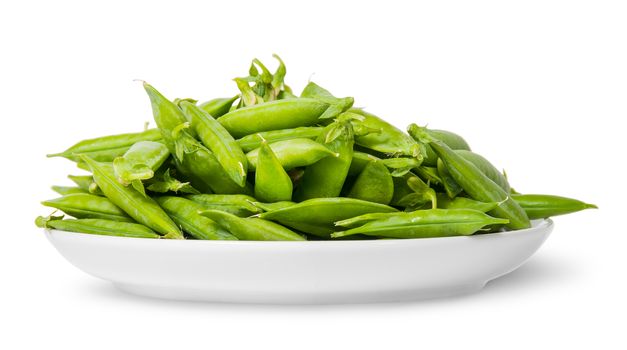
pixel 294 153
pixel 272 183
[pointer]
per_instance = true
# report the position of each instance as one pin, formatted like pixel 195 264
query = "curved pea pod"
pixel 140 163
pixel 106 148
pixel 451 187
pixel 388 139
pixel 273 206
pixel 218 106
pixel 141 208
pixel 451 139
pixel 425 224
pixel 214 136
pixel 251 229
pixel 185 214
pixel 250 142
pixel 88 206
pixel 321 213
pixel 445 202
pixel 474 182
pixel 272 184
pixel 64 190
pixel 374 184
pixel 275 115
pixel 337 106
pixel 487 168
pixel 293 153
pixel 540 206
pixel 326 177
pixel 237 204
pixel 97 227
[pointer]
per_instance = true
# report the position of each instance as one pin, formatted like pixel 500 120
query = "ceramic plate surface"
pixel 301 272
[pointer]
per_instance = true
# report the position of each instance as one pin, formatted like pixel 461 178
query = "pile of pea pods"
pixel 267 164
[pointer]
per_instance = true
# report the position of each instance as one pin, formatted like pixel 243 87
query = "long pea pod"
pixel 425 224
pixel 540 206
pixel 474 182
pixel 487 168
pixel 451 139
pixel 108 147
pixel 237 204
pixel 374 184
pixel 337 106
pixel 88 206
pixel 294 153
pixel 251 229
pixel 273 206
pixel 275 115
pixel 250 142
pixel 65 190
pixel 451 187
pixel 214 136
pixel 141 208
pixel 97 227
pixel 218 106
pixel 184 213
pixel 326 177
pixel 140 163
pixel 445 202
pixel 428 174
pixel 272 183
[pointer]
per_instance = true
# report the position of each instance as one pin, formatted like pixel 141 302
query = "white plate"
pixel 301 272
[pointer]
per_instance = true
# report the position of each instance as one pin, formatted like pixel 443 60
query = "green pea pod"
pixel 451 187
pixel 445 202
pixel 540 206
pixel 359 162
pixel 251 229
pixel 487 168
pixel 237 204
pixel 425 224
pixel 361 220
pixel 451 139
pixel 166 114
pixel 140 163
pixel 389 139
pixel 185 214
pixel 374 184
pixel 293 153
pixel 63 190
pixel 97 227
pixel 163 182
pixel 429 174
pixel 218 106
pixel 88 206
pixel 284 95
pixel 272 184
pixel 326 177
pixel 106 148
pixel 141 208
pixel 337 106
pixel 82 181
pixel 250 142
pixel 275 115
pixel 474 182
pixel 411 192
pixel 214 136
pixel 272 206
pixel 323 212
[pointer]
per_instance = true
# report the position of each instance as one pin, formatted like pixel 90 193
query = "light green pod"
pixel 540 206
pixel 64 190
pixel 251 229
pixel 98 227
pixel 293 153
pixel 185 214
pixel 451 187
pixel 82 181
pixel 336 105
pixel 374 184
pixel 88 206
pixel 141 208
pixel 445 202
pixel 272 184
pixel 237 204
pixel 218 106
pixel 273 206
pixel 140 163
pixel 487 168
pixel 250 142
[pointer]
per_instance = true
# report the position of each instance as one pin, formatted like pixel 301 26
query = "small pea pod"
pixel 141 208
pixel 251 229
pixel 326 177
pixel 272 184
pixel 140 163
pixel 540 206
pixel 185 214
pixel 337 106
pixel 218 106
pixel 293 153
pixel 453 140
pixel 425 224
pixel 250 142
pixel 88 206
pixel 237 204
pixel 65 190
pixel 389 139
pixel 445 202
pixel 106 148
pixel 374 184
pixel 97 227
pixel 474 182
pixel 275 115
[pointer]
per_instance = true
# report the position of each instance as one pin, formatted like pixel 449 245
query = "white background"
pixel 538 87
